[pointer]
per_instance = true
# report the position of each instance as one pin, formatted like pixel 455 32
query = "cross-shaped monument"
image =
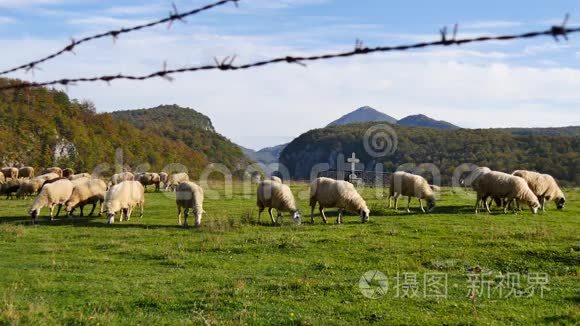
pixel 353 161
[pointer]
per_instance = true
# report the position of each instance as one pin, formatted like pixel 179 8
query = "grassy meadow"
pixel 236 269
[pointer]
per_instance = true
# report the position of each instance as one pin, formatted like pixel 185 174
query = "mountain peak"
pixel 363 114
pixel 421 120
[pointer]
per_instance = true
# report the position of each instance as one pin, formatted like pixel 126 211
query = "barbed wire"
pixel 227 64
pixel 173 16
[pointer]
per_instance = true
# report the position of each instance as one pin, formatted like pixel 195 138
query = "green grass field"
pixel 236 269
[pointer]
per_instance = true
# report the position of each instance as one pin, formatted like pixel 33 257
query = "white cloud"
pixel 267 105
pixel 6 20
pixel 28 3
pixel 491 24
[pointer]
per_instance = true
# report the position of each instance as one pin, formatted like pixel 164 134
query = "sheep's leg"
pixel 271 216
pixel 178 215
pixel 542 203
pixel 93 209
pixel 389 200
pixel 396 202
pixel 186 216
pixel 409 205
pixel 312 214
pixel 82 209
pixel 421 204
pixel 339 217
pixel 51 208
pixel 505 209
pixel 260 210
pixel 486 205
pixel 129 212
pixel 58 210
pixel 323 215
pixel 141 206
pixel 101 207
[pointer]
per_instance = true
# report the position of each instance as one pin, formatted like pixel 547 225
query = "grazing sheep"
pixel 9 187
pixel 148 178
pixel 188 195
pixel 122 176
pixel 81 180
pixel 274 194
pixel 175 179
pixel 472 181
pixel 10 172
pixel 66 173
pixel 56 193
pixel 54 169
pixel 336 193
pixel 163 178
pixel 29 187
pixel 91 191
pixel 411 185
pixel 122 198
pixel 543 186
pixel 26 172
pixel 48 176
pixel 503 185
pixel 79 175
pixel 275 178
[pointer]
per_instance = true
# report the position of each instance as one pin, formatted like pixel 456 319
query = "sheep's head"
pixel 430 204
pixel 110 217
pixel 560 202
pixel 365 215
pixel 33 214
pixel 534 206
pixel 297 218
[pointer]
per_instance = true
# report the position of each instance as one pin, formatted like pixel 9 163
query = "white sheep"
pixel 79 175
pixel 274 194
pixel 275 178
pixel 54 169
pixel 122 198
pixel 149 178
pixel 175 179
pixel 10 172
pixel 544 187
pixel 48 176
pixel 189 195
pixel 26 172
pixel 91 191
pixel 503 185
pixel 163 178
pixel 411 185
pixel 122 176
pixel 336 193
pixel 9 187
pixel 29 187
pixel 56 193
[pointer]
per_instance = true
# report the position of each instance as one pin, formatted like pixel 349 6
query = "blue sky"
pixel 523 83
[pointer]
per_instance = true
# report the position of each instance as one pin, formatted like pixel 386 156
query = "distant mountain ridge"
pixel 188 126
pixel 421 120
pixel 368 114
pixel 265 155
pixel 363 114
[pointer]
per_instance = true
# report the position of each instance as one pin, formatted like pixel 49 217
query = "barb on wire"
pixel 114 34
pixel 228 62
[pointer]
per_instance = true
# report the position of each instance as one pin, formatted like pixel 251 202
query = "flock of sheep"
pixel 125 192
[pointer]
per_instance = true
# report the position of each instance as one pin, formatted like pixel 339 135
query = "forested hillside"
pixel 42 127
pixel 497 149
pixel 190 127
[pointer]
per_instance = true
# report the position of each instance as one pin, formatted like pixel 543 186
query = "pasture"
pixel 236 269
